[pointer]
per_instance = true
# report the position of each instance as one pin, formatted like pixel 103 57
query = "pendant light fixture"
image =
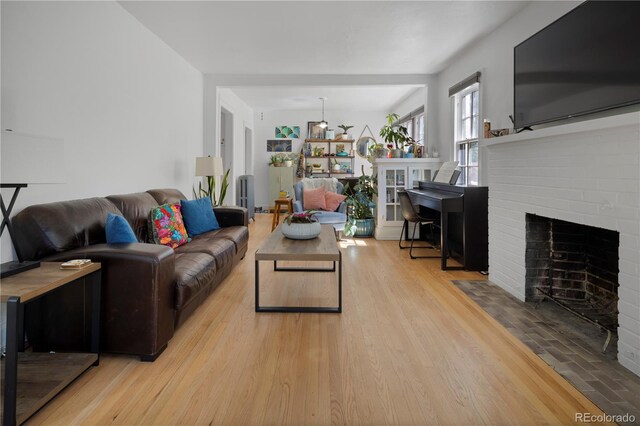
pixel 323 124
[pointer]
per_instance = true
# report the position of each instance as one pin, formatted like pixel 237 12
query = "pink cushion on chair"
pixel 313 199
pixel 333 200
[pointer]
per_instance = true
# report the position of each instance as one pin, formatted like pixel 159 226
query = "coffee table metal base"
pixel 301 309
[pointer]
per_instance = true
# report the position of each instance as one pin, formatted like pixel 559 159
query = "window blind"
pixel 460 86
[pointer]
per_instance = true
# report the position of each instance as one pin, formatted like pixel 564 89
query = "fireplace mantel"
pixel 566 129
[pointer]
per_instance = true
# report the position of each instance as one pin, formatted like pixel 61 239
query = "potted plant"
pixel 289 159
pixel 396 135
pixel 301 226
pixel 345 131
pixel 210 190
pixel 360 221
pixel 277 160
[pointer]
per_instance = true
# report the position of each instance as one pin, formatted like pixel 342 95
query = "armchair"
pixel 336 217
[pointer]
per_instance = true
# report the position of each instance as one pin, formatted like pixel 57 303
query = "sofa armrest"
pixel 232 216
pixel 138 287
pixel 342 208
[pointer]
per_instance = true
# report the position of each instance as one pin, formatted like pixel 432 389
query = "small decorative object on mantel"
pixel 301 226
pixel 500 132
pixel 330 134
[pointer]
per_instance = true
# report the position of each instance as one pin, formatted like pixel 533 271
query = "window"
pixel 415 125
pixel 467 118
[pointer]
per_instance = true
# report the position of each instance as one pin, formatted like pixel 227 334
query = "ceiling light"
pixel 323 124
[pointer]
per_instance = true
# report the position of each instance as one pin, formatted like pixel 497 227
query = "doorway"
pixel 226 139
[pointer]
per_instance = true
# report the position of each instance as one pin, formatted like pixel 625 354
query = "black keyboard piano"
pixel 464 217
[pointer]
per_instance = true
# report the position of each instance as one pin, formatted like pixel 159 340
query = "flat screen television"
pixel 586 61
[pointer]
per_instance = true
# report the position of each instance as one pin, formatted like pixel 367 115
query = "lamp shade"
pixel 209 166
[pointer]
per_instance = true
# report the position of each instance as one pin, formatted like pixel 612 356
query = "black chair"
pixel 410 214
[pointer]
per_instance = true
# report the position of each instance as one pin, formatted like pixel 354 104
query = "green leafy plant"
pixel 278 158
pixel 360 201
pixel 210 189
pixel 345 128
pixel 394 133
pixel 306 216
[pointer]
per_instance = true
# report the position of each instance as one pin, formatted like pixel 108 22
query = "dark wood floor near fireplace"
pixel 565 342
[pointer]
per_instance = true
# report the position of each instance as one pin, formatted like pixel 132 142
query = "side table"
pixel 31 379
pixel 279 203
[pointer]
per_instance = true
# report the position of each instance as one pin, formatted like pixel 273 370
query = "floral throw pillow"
pixel 166 226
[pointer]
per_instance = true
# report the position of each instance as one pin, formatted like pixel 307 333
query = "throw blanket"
pixel 330 184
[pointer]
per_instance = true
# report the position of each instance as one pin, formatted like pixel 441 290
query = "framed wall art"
pixel 279 145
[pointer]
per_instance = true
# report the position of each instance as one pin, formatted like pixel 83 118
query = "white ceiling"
pixel 359 98
pixel 321 38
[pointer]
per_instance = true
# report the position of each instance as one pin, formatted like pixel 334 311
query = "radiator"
pixel 245 194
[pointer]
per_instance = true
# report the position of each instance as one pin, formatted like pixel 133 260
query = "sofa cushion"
pixel 198 216
pixel 167 227
pixel 135 208
pixel 238 234
pixel 46 229
pixel 166 196
pixel 333 200
pixel 118 230
pixel 194 273
pixel 222 249
pixel 313 199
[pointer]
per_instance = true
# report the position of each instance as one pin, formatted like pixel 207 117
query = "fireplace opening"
pixel 575 266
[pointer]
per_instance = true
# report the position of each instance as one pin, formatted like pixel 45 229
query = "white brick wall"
pixel 588 173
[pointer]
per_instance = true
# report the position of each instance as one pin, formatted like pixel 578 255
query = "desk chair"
pixel 410 214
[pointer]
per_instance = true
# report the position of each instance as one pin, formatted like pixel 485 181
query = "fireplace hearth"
pixel 575 266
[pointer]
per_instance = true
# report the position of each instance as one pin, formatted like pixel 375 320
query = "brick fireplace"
pixel 586 174
pixel 574 265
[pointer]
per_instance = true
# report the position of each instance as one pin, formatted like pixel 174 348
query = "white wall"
pixel 493 57
pixel 415 100
pixel 265 123
pixel 128 108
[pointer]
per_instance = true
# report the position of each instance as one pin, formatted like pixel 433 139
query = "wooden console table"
pixel 31 379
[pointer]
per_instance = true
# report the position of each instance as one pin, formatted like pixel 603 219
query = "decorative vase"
pixel 288 163
pixel 396 153
pixel 301 231
pixel 408 155
pixel 364 227
pixel 277 164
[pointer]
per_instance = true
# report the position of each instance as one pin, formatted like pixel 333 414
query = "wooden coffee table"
pixel 321 249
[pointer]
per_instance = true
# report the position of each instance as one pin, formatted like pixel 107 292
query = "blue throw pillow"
pixel 198 216
pixel 118 230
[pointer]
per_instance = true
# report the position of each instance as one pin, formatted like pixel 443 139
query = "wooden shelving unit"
pixel 329 143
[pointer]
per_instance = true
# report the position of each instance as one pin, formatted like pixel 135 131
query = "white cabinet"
pixel 280 179
pixel 394 174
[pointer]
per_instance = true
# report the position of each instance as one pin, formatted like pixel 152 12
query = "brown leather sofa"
pixel 147 289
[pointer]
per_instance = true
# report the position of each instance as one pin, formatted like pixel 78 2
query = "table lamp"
pixel 209 167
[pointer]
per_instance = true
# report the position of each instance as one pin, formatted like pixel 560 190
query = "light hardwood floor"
pixel 409 348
